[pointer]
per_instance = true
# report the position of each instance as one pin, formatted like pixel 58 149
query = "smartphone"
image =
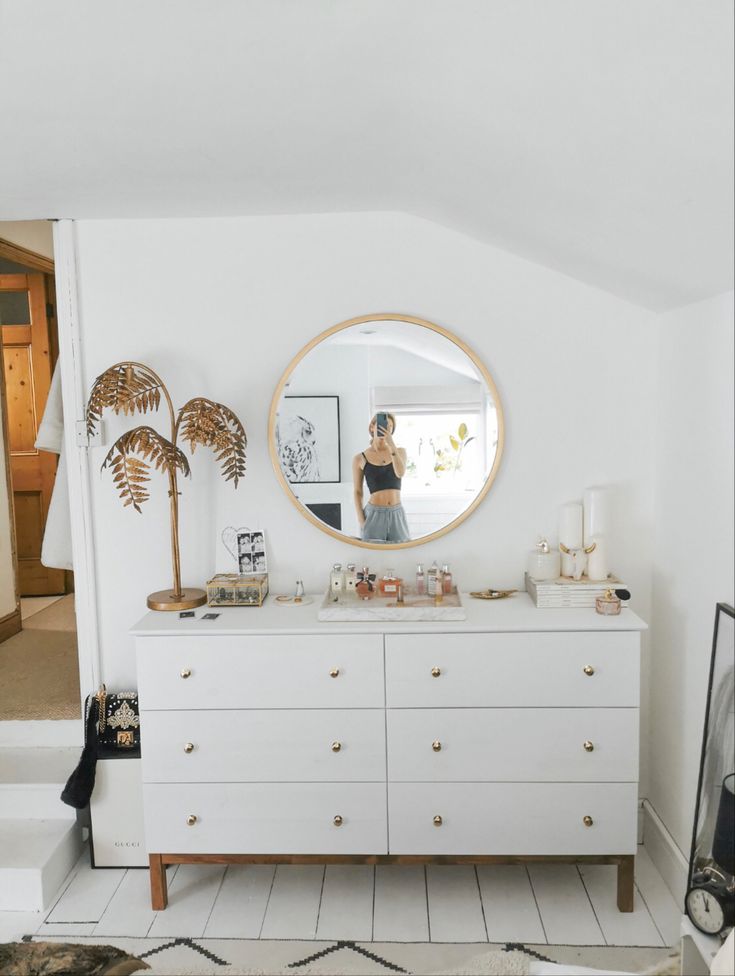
pixel 381 420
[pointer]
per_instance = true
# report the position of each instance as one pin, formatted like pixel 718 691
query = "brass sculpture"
pixel 130 387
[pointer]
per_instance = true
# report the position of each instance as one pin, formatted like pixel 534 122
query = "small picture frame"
pixel 251 555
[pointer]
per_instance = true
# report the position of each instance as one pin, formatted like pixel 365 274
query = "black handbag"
pixel 118 723
pixel 111 728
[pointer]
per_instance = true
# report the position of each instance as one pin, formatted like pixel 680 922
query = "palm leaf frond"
pixel 214 425
pixel 131 474
pixel 124 388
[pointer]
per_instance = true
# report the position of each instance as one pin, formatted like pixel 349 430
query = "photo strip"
pixel 251 552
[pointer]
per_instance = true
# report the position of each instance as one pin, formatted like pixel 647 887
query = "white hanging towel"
pixel 56 548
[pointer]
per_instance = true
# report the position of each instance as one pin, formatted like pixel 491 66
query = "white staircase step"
pixel 31 781
pixel 35 858
pixel 49 733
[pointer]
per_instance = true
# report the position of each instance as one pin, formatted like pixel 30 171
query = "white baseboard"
pixel 671 864
pixel 52 733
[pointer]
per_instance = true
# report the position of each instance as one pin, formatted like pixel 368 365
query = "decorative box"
pixel 116 815
pixel 232 590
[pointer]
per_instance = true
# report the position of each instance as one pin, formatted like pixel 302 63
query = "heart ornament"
pixel 229 540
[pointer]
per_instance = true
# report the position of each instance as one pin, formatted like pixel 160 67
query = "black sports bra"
pixel 380 477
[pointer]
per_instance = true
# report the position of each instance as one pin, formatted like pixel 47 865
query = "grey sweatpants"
pixel 385 523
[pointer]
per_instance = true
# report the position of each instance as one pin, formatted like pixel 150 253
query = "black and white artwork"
pixel 307 438
pixel 251 552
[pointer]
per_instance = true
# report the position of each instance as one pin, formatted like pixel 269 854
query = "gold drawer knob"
pixel 334 673
pixel 588 670
pixel 435 672
pixel 587 821
pixel 436 745
pixel 338 821
pixel 186 672
pixel 336 746
pixel 438 821
pixel 589 746
pixel 191 819
pixel 189 747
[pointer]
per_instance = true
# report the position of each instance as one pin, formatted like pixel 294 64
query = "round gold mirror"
pixel 386 431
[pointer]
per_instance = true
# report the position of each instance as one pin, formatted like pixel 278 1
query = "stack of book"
pixel 565 592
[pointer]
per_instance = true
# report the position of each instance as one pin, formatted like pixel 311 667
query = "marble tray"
pixel 385 608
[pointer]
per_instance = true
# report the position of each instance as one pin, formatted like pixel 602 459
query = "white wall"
pixel 693 548
pixel 573 365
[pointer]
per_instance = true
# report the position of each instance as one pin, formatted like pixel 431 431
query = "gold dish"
pixel 492 594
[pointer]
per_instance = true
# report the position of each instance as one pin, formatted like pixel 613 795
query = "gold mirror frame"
pixel 286 485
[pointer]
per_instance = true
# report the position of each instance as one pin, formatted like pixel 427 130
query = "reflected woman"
pixel 382 465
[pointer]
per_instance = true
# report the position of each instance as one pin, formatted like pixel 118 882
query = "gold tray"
pixel 492 594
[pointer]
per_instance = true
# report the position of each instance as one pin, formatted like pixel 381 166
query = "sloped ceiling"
pixel 593 136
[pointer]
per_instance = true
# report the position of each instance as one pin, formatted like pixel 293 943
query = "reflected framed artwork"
pixel 307 439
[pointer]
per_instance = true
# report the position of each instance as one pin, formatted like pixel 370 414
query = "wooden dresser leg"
pixel 159 883
pixel 626 867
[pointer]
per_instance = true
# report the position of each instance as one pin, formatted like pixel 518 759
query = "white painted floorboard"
pixel 400 913
pixel 191 896
pixel 346 910
pixel 129 912
pixel 455 909
pixel 241 902
pixel 659 901
pixel 293 907
pixel 86 897
pixel 511 913
pixel 554 903
pixel 619 928
pixel 564 906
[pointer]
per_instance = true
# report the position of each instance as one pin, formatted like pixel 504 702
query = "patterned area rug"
pixel 244 957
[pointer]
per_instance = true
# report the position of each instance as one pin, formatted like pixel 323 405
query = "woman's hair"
pixel 390 416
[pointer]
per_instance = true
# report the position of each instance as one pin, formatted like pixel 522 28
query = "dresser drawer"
pixel 504 670
pixel 278 745
pixel 512 818
pixel 266 818
pixel 513 744
pixel 312 671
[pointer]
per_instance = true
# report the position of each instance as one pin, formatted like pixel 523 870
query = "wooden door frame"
pixel 73 392
pixel 11 623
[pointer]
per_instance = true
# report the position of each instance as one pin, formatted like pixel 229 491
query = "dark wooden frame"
pixel 159 862
pixel 721 610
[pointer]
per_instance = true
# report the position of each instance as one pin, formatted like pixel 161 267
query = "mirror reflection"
pixel 387 430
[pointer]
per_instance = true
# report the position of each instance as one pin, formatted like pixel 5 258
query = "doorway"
pixel 38 653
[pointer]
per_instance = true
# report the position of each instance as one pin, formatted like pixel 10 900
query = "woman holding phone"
pixel 382 465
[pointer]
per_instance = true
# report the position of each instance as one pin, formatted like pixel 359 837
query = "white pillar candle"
pixel 597 513
pixel 597 568
pixel 570 534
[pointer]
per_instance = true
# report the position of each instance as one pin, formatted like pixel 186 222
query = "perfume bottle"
pixel 447 584
pixel 389 584
pixel 420 580
pixel 365 584
pixel 609 604
pixel 336 581
pixel 350 579
pixel 433 580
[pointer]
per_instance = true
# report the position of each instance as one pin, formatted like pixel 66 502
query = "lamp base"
pixel 188 599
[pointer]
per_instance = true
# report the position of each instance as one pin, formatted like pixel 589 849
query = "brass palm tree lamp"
pixel 130 387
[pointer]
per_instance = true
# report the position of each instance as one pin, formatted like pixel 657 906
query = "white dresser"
pixel 512 735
